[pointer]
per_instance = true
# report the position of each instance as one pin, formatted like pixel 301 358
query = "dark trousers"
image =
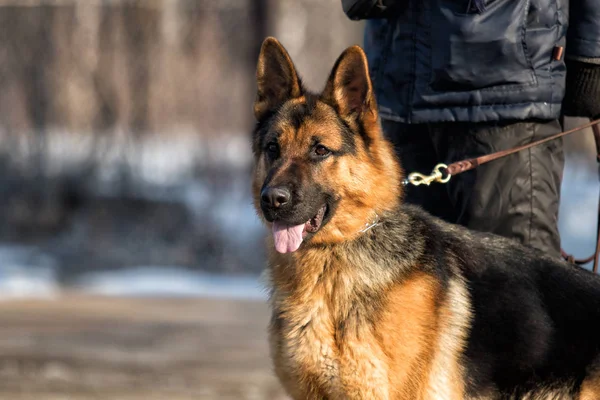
pixel 516 196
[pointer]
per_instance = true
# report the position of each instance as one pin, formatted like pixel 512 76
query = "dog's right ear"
pixel 349 87
pixel 276 78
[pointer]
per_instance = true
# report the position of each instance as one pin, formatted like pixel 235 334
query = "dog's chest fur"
pixel 321 344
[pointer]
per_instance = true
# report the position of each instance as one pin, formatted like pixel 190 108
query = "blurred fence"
pixel 124 125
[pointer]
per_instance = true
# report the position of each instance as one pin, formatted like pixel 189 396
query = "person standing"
pixel 457 79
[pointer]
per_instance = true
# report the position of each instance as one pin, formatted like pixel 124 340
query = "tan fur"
pixel 321 125
pixel 365 188
pixel 590 388
pixel 411 351
pixel 446 378
pixel 314 359
pixel 426 343
pixel 409 341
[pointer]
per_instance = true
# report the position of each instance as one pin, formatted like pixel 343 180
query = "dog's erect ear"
pixel 276 78
pixel 349 86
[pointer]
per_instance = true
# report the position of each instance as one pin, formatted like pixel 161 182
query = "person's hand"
pixel 582 95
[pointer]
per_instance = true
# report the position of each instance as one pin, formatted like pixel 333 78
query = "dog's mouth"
pixel 288 238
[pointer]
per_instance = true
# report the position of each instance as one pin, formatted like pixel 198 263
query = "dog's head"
pixel 322 167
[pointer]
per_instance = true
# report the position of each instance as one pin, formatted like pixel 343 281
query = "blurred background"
pixel 130 254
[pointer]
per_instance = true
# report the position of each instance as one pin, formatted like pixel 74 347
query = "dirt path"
pixel 77 348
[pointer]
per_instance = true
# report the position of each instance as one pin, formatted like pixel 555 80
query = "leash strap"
pixel 442 173
pixel 462 166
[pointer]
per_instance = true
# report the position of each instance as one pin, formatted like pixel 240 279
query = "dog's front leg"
pixel 363 370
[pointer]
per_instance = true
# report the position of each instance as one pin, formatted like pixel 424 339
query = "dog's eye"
pixel 322 151
pixel 272 149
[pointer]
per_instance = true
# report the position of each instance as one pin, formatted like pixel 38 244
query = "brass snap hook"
pixel 436 175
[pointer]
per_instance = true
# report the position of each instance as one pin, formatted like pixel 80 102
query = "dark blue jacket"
pixel 477 60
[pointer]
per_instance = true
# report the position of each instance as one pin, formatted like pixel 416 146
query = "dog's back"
pixel 372 299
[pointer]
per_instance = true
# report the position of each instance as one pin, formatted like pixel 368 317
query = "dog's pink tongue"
pixel 287 238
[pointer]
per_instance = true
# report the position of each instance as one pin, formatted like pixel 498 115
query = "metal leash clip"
pixel 436 175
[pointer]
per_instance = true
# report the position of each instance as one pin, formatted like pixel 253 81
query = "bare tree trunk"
pixel 104 84
pixel 260 19
pixel 35 29
pixel 141 30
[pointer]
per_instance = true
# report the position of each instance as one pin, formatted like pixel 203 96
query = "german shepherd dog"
pixel 375 299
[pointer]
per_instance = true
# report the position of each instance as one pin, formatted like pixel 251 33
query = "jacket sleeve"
pixel 369 9
pixel 582 95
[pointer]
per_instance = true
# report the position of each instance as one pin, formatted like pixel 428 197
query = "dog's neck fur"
pixel 371 223
pixel 298 274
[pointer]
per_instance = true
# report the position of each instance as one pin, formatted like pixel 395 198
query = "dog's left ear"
pixel 349 87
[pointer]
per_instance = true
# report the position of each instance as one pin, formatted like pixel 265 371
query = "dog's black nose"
pixel 275 196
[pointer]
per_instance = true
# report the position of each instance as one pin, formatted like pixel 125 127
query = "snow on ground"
pixel 171 282
pixel 26 273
